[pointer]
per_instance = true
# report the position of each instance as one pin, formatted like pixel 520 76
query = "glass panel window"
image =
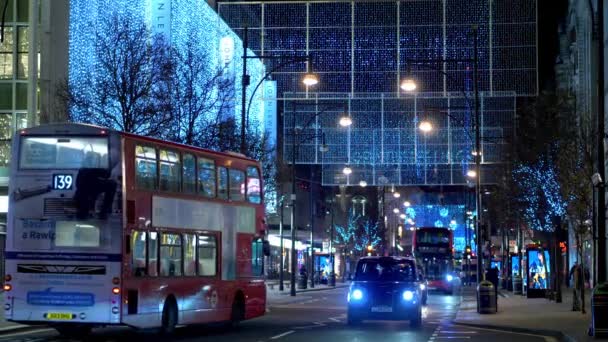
pixel 169 171
pixel 6 126
pixel 9 10
pixel 222 183
pixel 207 255
pixel 189 254
pixel 21 98
pixel 145 167
pixel 254 193
pixel 206 177
pixel 5 153
pixel 73 234
pixel 138 253
pixel 6 55
pixel 153 254
pixel 21 120
pixel 23 11
pixel 63 153
pixel 6 95
pixel 237 185
pixel 189 170
pixel 170 255
pixel 22 51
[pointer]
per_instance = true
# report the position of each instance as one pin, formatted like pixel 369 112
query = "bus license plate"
pixel 382 308
pixel 60 316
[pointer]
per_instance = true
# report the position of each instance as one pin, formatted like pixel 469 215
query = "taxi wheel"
pixel 350 320
pixel 416 322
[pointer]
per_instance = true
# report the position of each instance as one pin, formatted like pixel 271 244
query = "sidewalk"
pixel 272 287
pixel 535 315
pixel 10 327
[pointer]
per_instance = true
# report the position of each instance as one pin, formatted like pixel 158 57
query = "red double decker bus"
pixel 432 248
pixel 109 228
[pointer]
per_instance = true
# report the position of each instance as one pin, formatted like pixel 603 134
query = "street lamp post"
pixel 294 148
pixel 309 79
pixel 409 85
pixel 281 262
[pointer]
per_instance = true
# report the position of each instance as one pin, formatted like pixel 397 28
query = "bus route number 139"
pixel 63 182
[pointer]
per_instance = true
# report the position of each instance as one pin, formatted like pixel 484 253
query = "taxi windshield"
pixel 385 270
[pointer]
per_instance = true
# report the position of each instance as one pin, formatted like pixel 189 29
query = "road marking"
pixel 454 337
pixel 334 319
pixel 458 332
pixel 314 325
pixel 282 335
pixel 546 338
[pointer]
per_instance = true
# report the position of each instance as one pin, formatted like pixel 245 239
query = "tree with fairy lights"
pixel 369 234
pixel 129 87
pixel 346 236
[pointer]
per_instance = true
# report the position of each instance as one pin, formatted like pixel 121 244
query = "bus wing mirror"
pixel 266 248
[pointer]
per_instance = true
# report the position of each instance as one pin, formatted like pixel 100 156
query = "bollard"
pixel 486 298
pixel 517 285
pixel 599 311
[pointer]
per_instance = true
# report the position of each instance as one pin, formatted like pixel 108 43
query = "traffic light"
pixel 467 250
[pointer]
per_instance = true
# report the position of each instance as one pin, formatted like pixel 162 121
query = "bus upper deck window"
pixel 170 175
pixel 145 167
pixel 254 194
pixel 237 185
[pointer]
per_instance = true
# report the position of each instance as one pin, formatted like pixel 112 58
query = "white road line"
pixel 454 337
pixel 282 335
pixel 334 319
pixel 457 332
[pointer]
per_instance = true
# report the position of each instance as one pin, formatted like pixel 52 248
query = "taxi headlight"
pixel 449 277
pixel 408 295
pixel 357 294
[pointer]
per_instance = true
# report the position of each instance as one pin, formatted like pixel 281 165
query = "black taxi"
pixel 385 288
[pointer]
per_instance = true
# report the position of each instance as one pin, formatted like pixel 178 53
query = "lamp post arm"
pixel 273 70
pixel 426 65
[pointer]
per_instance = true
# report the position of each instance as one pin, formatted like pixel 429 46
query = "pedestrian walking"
pixel 578 285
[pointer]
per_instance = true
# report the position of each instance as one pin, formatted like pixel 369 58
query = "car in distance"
pixel 385 288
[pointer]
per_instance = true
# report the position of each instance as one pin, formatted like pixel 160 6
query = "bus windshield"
pixel 68 152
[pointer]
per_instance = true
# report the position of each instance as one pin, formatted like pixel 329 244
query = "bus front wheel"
pixel 169 318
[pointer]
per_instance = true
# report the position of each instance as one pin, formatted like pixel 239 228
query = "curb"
pixel 541 332
pixel 316 289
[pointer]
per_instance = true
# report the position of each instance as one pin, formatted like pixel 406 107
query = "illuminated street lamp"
pixel 346 121
pixel 347 170
pixel 402 216
pixel 406 204
pixel 425 126
pixel 363 184
pixel 396 210
pixel 310 79
pixel 471 174
pixel 396 194
pixel 408 84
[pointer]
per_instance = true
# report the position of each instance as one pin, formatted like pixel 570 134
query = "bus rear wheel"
pixel 75 332
pixel 169 318
pixel 238 311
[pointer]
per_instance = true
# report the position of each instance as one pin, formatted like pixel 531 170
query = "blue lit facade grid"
pixel 361 46
pixel 188 18
pixel 385 145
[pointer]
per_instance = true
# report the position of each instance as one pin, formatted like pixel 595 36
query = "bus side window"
pixel 206 177
pixel 237 185
pixel 189 170
pixel 138 253
pixel 254 194
pixel 170 175
pixel 170 255
pixel 189 254
pixel 257 257
pixel 222 183
pixel 145 167
pixel 153 254
pixel 207 255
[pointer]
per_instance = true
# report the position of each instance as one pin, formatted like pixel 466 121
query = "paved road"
pixel 314 316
